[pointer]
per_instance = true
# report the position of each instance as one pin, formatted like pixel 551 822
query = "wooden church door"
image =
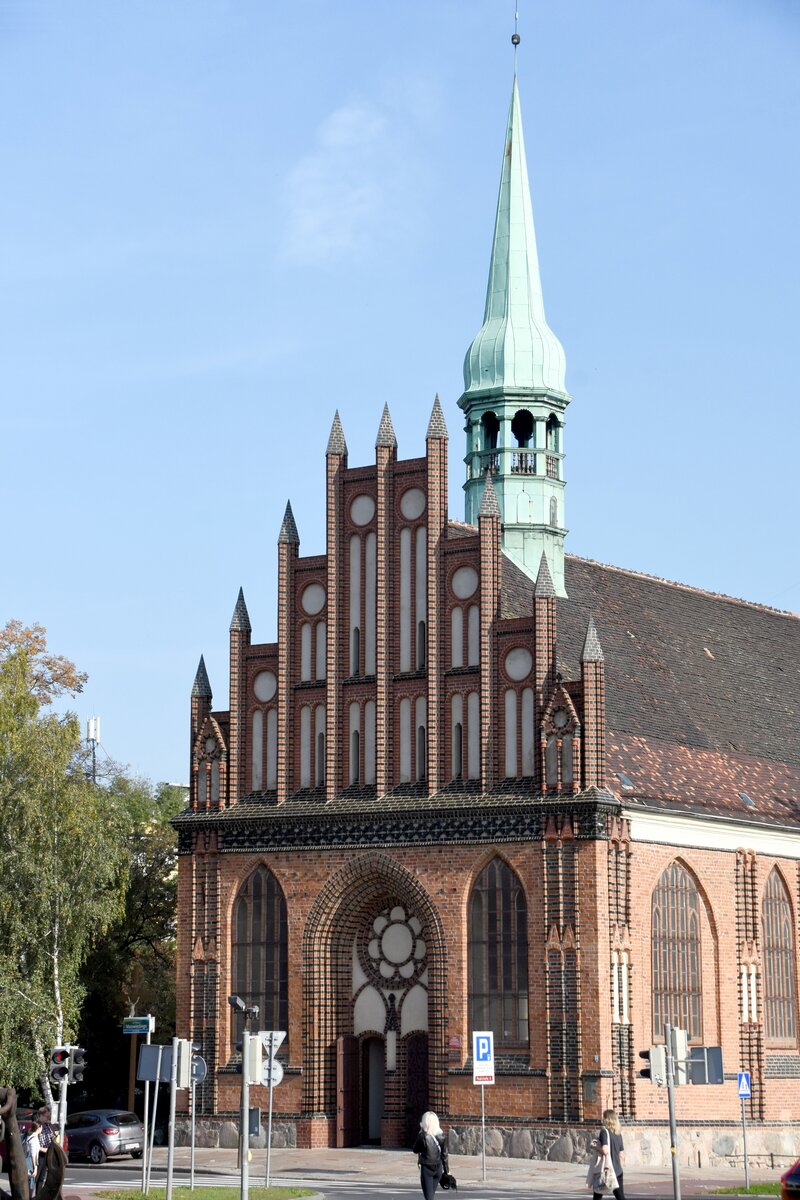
pixel 416 1083
pixel 347 1107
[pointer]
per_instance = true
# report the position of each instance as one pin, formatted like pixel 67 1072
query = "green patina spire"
pixel 514 391
pixel 515 347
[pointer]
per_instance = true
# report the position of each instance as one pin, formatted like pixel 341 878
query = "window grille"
pixel 498 955
pixel 777 936
pixel 677 984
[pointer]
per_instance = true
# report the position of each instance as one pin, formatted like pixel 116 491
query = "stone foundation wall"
pixel 645 1145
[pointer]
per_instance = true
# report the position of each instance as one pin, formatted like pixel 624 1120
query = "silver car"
pixel 104 1133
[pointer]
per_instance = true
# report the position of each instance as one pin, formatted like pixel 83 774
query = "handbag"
pixel 448 1182
pixel 606 1181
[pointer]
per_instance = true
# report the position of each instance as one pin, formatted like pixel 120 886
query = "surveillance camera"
pixel 237 1002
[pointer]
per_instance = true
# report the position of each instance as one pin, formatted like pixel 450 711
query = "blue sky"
pixel 221 221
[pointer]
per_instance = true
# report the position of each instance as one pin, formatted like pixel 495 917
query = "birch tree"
pixel 63 866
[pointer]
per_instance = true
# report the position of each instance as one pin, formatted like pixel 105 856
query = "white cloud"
pixel 359 181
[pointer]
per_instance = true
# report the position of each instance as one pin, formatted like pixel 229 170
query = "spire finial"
pixel 288 531
pixel 201 687
pixel 515 38
pixel 240 621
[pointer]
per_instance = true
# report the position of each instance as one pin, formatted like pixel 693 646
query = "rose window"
pixel 395 952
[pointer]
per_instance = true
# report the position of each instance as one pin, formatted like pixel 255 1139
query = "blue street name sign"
pixel 744 1085
pixel 138 1024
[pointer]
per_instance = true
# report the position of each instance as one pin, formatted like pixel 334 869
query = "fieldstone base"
pixel 698 1146
pixel 223 1132
pixel 768 1146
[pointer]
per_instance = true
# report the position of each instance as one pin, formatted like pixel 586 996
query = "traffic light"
pixel 679 1049
pixel 77 1063
pixel 59 1064
pixel 255 1059
pixel 656 1069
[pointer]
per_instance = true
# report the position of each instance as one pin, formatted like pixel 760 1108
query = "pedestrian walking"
pixel 605 1171
pixel 431 1150
pixel 33 1152
pixel 47 1135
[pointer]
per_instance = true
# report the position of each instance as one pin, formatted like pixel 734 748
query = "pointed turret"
pixel 240 621
pixel 386 435
pixel 201 688
pixel 336 442
pixel 515 347
pixel 544 580
pixel 514 388
pixel 436 425
pixel 288 531
pixel 489 505
pixel 592 650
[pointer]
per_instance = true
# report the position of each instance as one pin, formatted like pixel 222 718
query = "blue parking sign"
pixel 744 1085
pixel 483 1057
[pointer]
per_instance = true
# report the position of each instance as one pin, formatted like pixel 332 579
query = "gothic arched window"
pixel 677 983
pixel 259 969
pixel 498 955
pixel 777 939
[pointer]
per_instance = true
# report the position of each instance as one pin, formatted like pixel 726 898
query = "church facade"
pixel 477 783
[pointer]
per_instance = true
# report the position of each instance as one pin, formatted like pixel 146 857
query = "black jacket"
pixel 432 1152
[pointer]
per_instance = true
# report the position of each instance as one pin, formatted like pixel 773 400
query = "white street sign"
pixel 277 1036
pixel 271 1072
pixel 483 1057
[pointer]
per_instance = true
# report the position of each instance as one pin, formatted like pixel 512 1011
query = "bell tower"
pixel 515 396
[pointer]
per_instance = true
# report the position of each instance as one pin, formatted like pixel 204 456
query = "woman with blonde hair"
pixel 610 1154
pixel 431 1150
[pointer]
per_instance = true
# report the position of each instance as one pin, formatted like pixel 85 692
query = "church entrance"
pixel 373 1079
pixel 417 1101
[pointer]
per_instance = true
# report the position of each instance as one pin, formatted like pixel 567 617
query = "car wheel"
pixel 136 1154
pixel 97 1154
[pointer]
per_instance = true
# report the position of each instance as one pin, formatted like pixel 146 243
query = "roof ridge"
pixel 686 587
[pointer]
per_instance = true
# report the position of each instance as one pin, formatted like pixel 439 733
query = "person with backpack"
pixel 431 1150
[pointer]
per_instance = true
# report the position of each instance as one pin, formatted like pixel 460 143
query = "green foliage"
pixel 63 868
pixel 133 965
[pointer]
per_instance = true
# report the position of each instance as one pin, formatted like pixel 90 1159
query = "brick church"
pixel 477 783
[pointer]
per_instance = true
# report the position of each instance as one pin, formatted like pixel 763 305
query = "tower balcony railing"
pixel 523 462
pixel 517 461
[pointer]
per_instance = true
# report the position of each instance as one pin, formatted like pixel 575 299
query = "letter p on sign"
pixel 483 1057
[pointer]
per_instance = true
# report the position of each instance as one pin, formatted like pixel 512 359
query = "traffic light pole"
pixel 673 1125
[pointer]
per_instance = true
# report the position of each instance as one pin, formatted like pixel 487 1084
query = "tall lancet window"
pixel 498 955
pixel 777 940
pixel 677 982
pixel 259 966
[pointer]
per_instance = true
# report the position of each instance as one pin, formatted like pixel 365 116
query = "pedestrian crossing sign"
pixel 744 1085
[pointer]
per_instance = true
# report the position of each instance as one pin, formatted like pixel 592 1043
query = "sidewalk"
pixel 387 1167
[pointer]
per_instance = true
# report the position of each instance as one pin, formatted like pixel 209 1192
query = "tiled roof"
pixel 683 666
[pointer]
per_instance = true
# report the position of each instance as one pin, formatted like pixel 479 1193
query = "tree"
pixel 48 675
pixel 63 862
pixel 133 965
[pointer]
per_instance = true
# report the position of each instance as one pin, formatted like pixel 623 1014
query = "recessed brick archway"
pixel 351 897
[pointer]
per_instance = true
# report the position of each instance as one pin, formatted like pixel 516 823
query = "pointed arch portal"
pixel 373 944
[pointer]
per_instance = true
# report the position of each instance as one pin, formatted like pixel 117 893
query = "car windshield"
pixel 125 1119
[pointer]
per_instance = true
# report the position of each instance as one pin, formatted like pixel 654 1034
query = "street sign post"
pixel 271 1075
pixel 745 1094
pixel 483 1074
pixel 139 1024
pixel 199 1072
